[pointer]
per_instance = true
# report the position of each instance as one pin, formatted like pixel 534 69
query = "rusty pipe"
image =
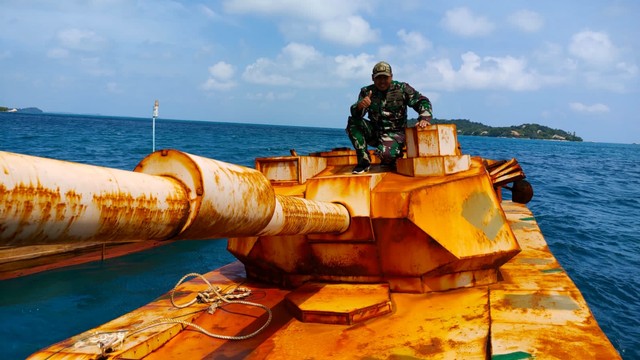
pixel 169 195
pixel 232 200
pixel 46 201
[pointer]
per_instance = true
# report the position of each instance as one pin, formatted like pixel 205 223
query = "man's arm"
pixel 421 104
pixel 359 109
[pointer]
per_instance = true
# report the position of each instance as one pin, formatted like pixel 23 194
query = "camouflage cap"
pixel 382 68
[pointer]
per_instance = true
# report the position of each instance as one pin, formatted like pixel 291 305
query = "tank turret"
pixel 433 224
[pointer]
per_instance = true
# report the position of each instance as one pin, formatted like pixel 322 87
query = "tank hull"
pixel 534 310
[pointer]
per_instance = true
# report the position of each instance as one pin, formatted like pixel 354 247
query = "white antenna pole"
pixel 155 115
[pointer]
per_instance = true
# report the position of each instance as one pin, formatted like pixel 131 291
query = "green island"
pixel 29 110
pixel 524 131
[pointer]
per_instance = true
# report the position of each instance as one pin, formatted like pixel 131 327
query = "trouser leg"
pixel 361 135
pixel 390 147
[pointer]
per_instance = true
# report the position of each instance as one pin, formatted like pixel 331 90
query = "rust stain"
pixel 27 207
pixel 540 301
pixel 141 217
pixel 303 216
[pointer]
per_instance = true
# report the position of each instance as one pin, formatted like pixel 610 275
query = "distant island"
pixel 29 110
pixel 524 131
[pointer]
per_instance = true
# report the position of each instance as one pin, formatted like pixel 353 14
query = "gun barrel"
pixel 169 195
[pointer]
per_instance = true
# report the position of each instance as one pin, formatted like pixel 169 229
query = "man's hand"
pixel 365 102
pixel 424 122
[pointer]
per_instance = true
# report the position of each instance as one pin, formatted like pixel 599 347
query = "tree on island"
pixel 524 131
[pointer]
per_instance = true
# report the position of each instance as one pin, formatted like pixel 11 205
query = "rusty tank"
pixel 422 261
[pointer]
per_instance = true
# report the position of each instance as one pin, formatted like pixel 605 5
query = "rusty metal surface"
pixel 434 165
pixel 280 168
pixel 449 230
pixel 539 299
pixel 171 194
pixel 463 216
pixel 352 191
pixel 274 252
pixel 45 201
pixel 293 215
pixel 143 343
pixel 470 276
pixel 231 200
pixel 446 326
pixel 434 140
pixel 344 304
pixel 290 169
pixel 531 312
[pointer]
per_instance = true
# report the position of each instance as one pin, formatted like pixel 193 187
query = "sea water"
pixel 587 203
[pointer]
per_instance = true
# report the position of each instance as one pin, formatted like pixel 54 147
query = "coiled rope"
pixel 108 341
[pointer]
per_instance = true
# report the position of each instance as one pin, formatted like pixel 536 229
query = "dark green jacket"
pixel 388 110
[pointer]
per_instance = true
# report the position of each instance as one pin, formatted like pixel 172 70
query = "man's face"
pixel 382 82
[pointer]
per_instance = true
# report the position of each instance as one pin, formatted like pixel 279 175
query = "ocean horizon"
pixel 147 119
pixel 586 202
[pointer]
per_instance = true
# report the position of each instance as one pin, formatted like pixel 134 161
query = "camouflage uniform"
pixel 387 120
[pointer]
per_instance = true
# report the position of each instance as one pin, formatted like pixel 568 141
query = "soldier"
pixel 386 103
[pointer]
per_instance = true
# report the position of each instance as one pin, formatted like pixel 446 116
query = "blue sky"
pixel 570 65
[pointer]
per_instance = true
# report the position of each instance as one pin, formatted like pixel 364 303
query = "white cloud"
pixel 598 62
pixel 463 22
pixel 595 108
pixel 594 48
pixel 485 73
pixel 414 41
pixel 630 69
pixel 410 46
pixel 354 67
pixel 387 51
pixel 265 71
pixel 95 66
pixel 77 39
pixel 336 21
pixel 113 87
pixel 614 81
pixel 433 96
pixel 208 12
pixel 58 53
pixel 526 20
pixel 314 10
pixel 220 77
pixel 297 65
pixel 215 84
pixel 221 70
pixel 271 96
pixel 5 54
pixel 300 55
pixel 352 30
pixel 553 57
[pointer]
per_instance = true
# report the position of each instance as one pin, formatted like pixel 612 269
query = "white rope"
pixel 108 341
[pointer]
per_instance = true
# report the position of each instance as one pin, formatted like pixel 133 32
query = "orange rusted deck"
pixel 534 310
